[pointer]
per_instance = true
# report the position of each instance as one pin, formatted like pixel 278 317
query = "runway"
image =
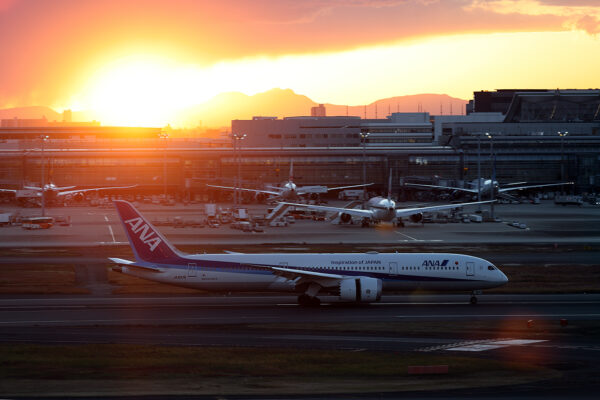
pixel 234 310
pixel 496 328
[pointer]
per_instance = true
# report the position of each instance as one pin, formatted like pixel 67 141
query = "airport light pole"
pixel 363 137
pixel 44 138
pixel 562 156
pixel 164 136
pixel 237 143
pixel 493 159
pixel 479 171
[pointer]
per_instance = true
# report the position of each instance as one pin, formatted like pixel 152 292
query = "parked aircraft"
pixel 486 186
pixel 353 277
pixel 379 209
pixel 288 190
pixel 54 193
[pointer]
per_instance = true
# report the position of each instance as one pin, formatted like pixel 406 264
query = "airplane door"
pixel 393 268
pixel 470 269
pixel 191 270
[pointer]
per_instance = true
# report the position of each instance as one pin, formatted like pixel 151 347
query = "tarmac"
pixel 544 223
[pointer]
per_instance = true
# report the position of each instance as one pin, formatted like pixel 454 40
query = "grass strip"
pixel 42 369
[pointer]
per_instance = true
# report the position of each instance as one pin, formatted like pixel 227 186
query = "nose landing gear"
pixel 473 299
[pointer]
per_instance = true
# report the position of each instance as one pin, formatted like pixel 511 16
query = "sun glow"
pixel 137 91
pixel 153 91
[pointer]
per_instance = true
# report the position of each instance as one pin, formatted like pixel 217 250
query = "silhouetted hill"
pixel 34 112
pixel 221 109
pixel 434 104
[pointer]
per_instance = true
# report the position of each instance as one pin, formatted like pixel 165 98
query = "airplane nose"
pixel 503 278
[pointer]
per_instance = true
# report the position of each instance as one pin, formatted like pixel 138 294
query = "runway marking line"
pixel 112 234
pixel 405 235
pixel 482 345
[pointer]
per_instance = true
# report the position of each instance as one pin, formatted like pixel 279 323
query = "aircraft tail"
pixel 147 243
pixel 389 196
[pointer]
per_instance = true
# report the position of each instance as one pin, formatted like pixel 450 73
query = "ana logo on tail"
pixel 144 233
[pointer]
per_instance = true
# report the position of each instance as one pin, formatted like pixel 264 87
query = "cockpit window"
pixel 491 267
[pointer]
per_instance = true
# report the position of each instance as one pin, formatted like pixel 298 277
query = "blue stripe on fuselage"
pixel 232 267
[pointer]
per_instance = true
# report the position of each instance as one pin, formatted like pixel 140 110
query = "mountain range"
pixel 221 109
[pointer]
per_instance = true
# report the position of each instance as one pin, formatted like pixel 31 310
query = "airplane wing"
pixel 66 192
pixel 129 264
pixel 273 193
pixel 8 191
pixel 532 186
pixel 324 189
pixel 350 211
pixel 405 212
pixel 441 187
pixel 311 189
pixel 348 187
pixel 302 276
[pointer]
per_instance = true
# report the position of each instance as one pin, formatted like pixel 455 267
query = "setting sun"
pixel 156 63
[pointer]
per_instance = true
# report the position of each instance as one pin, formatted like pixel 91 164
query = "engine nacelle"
pixel 346 218
pixel 260 197
pixel 362 289
pixel 78 197
pixel 416 217
pixel 314 196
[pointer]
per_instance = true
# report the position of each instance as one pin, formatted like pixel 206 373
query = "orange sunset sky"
pixel 135 62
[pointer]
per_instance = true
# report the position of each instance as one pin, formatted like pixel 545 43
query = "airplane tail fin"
pixel 146 241
pixel 291 178
pixel 389 196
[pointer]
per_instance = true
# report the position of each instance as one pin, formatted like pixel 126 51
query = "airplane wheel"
pixel 303 300
pixel 307 301
pixel 473 300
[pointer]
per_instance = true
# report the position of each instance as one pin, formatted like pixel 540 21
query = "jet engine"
pixel 361 290
pixel 416 217
pixel 78 197
pixel 346 218
pixel 260 197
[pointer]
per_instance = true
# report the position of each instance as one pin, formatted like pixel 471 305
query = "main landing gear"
pixel 308 301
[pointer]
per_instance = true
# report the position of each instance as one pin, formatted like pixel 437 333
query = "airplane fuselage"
pixel 383 209
pixel 397 271
pixel 486 187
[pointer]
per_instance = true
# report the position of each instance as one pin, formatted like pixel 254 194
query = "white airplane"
pixel 353 277
pixel 288 190
pixel 54 193
pixel 380 209
pixel 486 186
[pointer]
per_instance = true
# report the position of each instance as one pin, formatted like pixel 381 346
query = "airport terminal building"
pixel 536 136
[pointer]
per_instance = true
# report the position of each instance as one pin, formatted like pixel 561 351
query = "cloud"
pixel 588 24
pixel 575 14
pixel 50 47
